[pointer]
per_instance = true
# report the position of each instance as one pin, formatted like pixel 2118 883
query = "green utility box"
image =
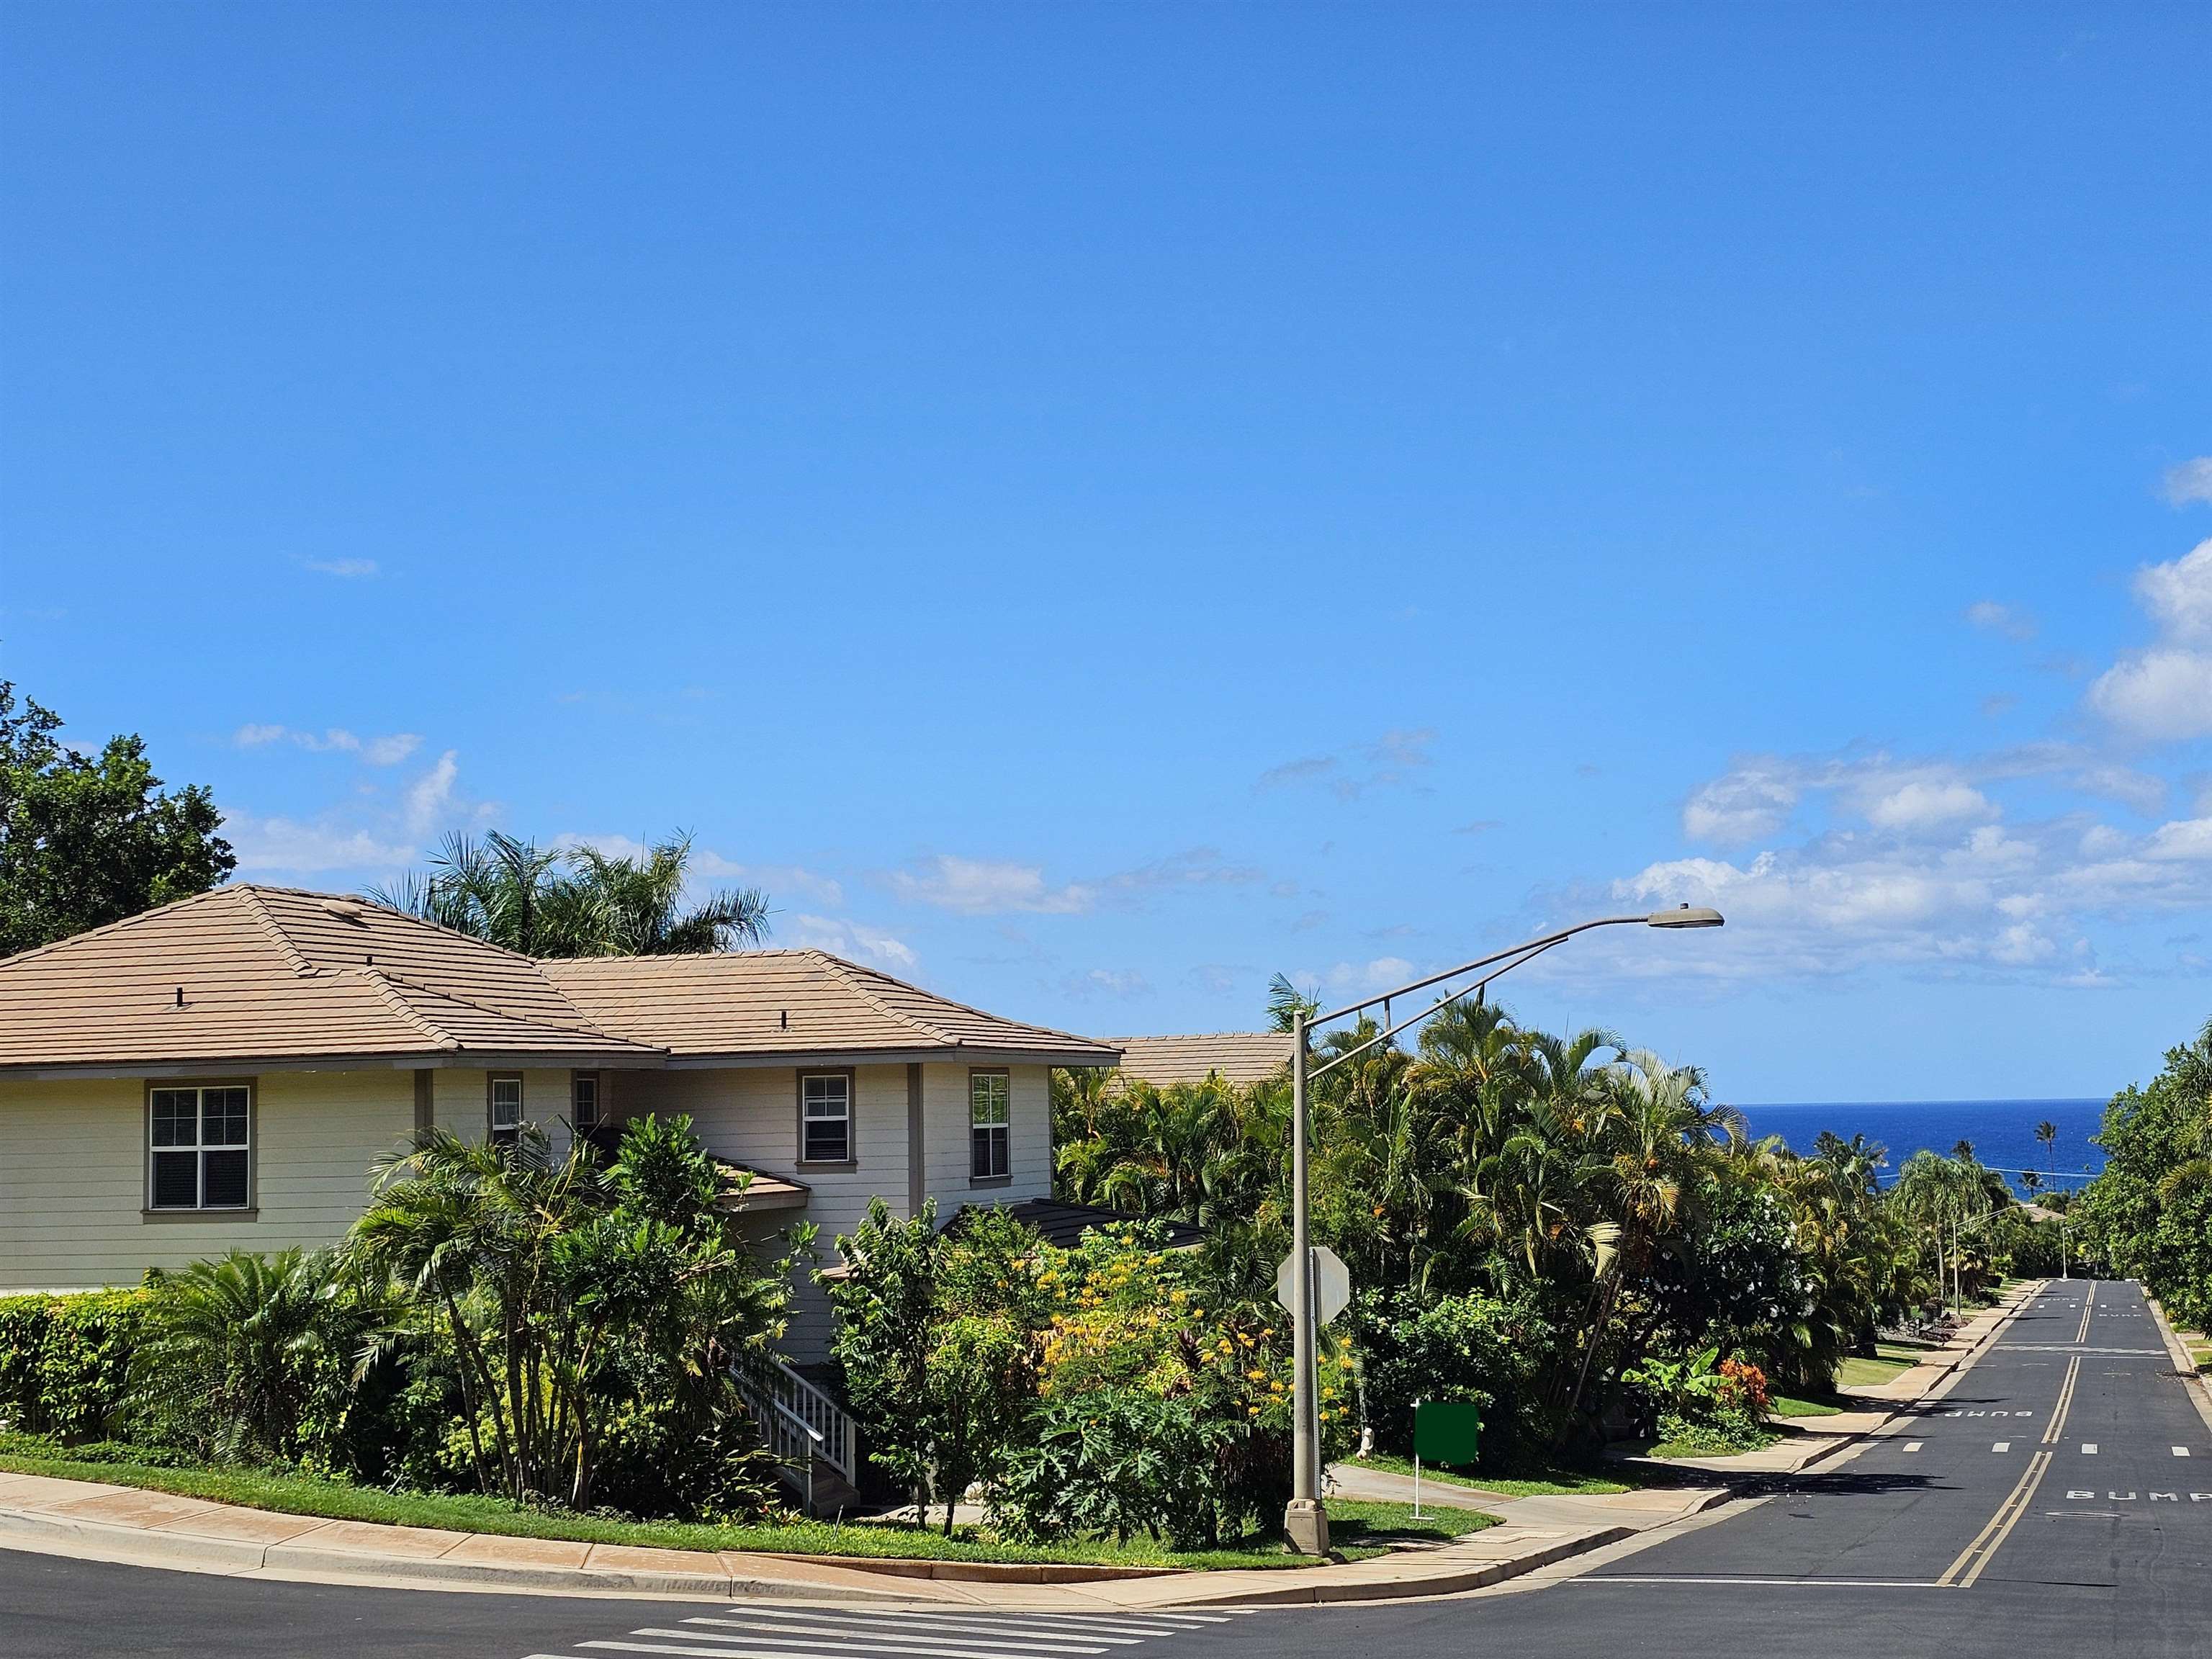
pixel 1447 1432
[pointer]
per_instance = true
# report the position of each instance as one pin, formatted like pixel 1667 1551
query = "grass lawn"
pixel 1360 1529
pixel 1536 1483
pixel 1790 1406
pixel 1893 1358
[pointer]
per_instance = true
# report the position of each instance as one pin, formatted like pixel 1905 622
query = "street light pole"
pixel 1305 1523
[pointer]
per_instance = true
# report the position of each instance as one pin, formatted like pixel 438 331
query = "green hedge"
pixel 64 1360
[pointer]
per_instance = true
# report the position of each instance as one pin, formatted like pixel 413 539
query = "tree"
pixel 935 1337
pixel 580 1303
pixel 2047 1133
pixel 86 841
pixel 546 901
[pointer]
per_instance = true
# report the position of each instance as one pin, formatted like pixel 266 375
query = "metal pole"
pixel 1305 1521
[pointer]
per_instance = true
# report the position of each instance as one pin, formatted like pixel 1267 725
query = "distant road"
pixel 2045 1505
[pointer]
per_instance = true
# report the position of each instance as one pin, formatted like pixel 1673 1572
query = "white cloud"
pixel 2178 593
pixel 2190 481
pixel 287 847
pixel 387 750
pixel 983 887
pixel 1993 618
pixel 430 796
pixel 853 940
pixel 1924 804
pixel 2163 691
pixel 350 569
pixel 1753 801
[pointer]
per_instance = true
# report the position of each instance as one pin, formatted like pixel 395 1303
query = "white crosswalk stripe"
pixel 751 1631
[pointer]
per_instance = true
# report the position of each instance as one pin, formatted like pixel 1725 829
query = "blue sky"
pixel 1091 507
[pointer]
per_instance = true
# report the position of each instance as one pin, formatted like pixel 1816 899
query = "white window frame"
pixel 199 1146
pixel 578 1083
pixel 502 1133
pixel 809 1100
pixel 990 1124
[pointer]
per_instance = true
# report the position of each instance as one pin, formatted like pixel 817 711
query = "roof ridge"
pixel 406 1011
pixel 121 922
pixel 681 955
pixel 252 897
pixel 965 1007
pixel 584 1028
pixel 848 972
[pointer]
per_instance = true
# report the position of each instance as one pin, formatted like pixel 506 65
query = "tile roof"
pixel 1239 1056
pixel 270 973
pixel 251 973
pixel 767 1002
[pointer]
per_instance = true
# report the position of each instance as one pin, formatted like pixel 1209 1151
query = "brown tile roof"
pixel 276 974
pixel 1239 1056
pixel 769 1002
pixel 249 973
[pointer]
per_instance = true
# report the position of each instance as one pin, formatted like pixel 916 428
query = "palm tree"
pixel 2047 1133
pixel 546 901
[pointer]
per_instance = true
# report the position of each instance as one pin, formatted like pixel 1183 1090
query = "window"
pixel 584 1103
pixel 825 1117
pixel 506 1109
pixel 199 1146
pixel 988 1102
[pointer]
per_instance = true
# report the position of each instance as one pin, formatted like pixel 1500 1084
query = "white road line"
pixel 2088 1449
pixel 2181 1451
pixel 891 1625
pixel 814 1632
pixel 814 1641
pixel 1076 1624
pixel 2002 1445
pixel 1914 1445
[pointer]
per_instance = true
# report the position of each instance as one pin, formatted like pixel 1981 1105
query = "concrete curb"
pixel 196 1553
pixel 2194 1383
pixel 1449 1582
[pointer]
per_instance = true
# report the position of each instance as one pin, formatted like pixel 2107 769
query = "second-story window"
pixel 988 1114
pixel 825 1117
pixel 506 1109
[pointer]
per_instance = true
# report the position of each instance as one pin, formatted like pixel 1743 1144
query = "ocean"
pixel 2002 1131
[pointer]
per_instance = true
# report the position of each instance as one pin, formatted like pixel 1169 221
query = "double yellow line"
pixel 2087 1303
pixel 1962 1572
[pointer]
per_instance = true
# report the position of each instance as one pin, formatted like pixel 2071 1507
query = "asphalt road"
pixel 2042 1503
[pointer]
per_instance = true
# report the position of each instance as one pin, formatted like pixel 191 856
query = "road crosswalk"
pixel 750 1631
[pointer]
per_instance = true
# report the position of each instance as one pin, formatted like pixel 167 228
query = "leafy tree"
pixel 583 1306
pixel 935 1338
pixel 86 840
pixel 2148 1214
pixel 2047 1133
pixel 580 902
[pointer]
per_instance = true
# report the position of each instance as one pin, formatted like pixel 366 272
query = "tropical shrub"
pixel 1702 1403
pixel 64 1361
pixel 588 1317
pixel 257 1358
pixel 1492 1351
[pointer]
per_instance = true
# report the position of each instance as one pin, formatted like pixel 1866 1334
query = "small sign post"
pixel 1447 1432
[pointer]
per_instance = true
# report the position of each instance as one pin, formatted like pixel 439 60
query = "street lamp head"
pixel 1684 917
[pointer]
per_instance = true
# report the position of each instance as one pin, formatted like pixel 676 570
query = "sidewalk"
pixel 91 1521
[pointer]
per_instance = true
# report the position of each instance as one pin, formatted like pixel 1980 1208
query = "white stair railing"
pixel 803 1425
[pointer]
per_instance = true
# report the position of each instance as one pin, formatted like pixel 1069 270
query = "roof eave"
pixel 948 1053
pixel 474 1060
